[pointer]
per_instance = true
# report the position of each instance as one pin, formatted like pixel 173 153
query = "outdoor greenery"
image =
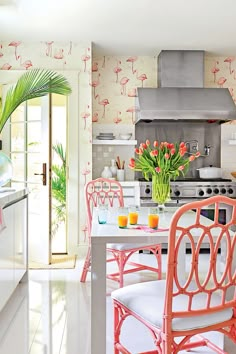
pixel 32 84
pixel 59 188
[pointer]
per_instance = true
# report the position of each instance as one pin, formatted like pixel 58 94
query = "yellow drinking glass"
pixel 122 218
pixel 153 218
pixel 133 215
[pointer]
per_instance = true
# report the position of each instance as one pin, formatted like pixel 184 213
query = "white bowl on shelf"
pixel 125 136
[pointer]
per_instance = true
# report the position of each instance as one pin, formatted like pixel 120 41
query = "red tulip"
pixel 191 158
pixel 147 142
pixel 167 156
pixel 182 144
pixel 181 168
pixel 172 151
pixel 158 169
pixel 197 154
pixel 155 144
pixel 154 153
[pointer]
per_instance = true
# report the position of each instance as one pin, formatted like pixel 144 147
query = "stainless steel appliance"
pixel 181 94
pixel 185 190
pixel 188 190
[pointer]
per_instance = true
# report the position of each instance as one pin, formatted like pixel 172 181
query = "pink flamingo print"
pixel 85 58
pixel 215 70
pixel 231 90
pixel 132 92
pixel 26 64
pixel 95 117
pixel 103 103
pixel 117 119
pixel 85 230
pixel 85 115
pixel 132 110
pixel 59 54
pixel 234 72
pixel 49 48
pixel 132 60
pixel 117 70
pixel 229 60
pixel 141 77
pixel 86 171
pixel 6 66
pixel 94 84
pixel 95 67
pixel 1 54
pixel 70 49
pixel 123 83
pixel 16 45
pixel 221 81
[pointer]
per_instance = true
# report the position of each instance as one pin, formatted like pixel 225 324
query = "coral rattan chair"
pixel 178 310
pixel 107 191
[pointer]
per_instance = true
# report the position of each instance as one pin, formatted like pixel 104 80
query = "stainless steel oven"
pixel 189 190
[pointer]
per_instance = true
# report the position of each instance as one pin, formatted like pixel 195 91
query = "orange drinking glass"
pixel 153 218
pixel 122 218
pixel 133 215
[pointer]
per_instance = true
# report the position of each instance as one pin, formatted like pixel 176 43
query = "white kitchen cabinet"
pixel 7 280
pixel 131 192
pixel 13 247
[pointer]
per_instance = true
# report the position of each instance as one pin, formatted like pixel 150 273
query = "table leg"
pixel 98 298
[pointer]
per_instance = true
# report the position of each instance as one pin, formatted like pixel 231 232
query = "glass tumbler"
pixel 102 214
pixel 153 218
pixel 133 215
pixel 122 217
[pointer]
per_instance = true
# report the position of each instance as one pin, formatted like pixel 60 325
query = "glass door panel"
pixel 59 177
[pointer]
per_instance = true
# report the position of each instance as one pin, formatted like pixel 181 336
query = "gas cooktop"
pixel 190 179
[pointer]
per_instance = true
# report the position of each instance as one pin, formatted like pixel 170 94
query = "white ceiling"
pixel 125 27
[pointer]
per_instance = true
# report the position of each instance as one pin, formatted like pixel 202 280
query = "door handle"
pixel 44 174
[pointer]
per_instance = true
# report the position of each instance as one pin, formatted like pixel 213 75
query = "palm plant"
pixel 32 84
pixel 59 187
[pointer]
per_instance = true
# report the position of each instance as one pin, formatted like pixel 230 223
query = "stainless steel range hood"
pixel 180 94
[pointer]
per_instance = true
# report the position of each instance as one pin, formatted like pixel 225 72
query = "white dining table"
pixel 101 235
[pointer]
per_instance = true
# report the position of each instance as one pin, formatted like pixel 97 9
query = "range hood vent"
pixel 181 95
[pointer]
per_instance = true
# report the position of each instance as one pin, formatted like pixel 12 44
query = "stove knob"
pixel 209 190
pixel 177 193
pixel 201 193
pixel 230 191
pixel 223 190
pixel 216 190
pixel 147 190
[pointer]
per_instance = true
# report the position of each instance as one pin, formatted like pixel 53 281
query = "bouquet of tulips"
pixel 162 159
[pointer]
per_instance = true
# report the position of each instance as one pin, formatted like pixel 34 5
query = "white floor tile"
pixel 52 315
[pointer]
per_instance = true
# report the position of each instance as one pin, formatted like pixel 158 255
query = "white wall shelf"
pixel 232 142
pixel 114 142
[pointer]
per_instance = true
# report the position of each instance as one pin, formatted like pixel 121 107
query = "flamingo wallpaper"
pixel 107 87
pixel 64 56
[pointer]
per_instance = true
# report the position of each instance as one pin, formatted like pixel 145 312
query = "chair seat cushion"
pixel 147 301
pixel 127 246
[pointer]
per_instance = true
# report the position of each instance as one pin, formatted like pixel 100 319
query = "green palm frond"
pixel 32 84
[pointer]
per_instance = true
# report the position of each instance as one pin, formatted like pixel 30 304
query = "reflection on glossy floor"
pixel 52 315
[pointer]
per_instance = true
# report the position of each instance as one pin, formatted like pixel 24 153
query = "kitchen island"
pixel 13 240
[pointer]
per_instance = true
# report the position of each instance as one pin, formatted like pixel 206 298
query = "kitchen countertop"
pixel 8 195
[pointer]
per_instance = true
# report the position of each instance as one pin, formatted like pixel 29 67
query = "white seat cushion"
pixel 127 246
pixel 147 301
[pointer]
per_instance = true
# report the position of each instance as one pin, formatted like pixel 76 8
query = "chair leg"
pixel 121 265
pixel 86 266
pixel 159 264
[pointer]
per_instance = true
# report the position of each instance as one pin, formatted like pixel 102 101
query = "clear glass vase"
pixel 160 189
